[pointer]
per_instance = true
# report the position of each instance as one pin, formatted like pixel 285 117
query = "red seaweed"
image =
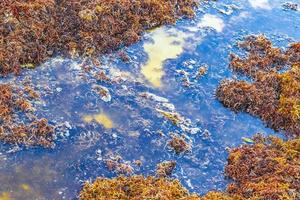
pixel 274 94
pixel 18 124
pixel 33 31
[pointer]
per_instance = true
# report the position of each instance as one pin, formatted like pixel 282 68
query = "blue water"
pixel 82 148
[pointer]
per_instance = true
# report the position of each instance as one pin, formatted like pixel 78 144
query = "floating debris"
pixel 165 168
pixel 117 164
pixel 135 187
pixel 154 97
pixel 120 168
pixel 179 144
pixel 160 102
pixel 290 6
pixel 164 108
pixel 201 71
pixel 247 140
pixel 138 162
pixel 101 76
pixel 124 57
pixel 173 117
pixel 103 92
pixel 179 121
pixel 274 95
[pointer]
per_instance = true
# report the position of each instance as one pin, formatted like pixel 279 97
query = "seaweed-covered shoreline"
pixel 33 31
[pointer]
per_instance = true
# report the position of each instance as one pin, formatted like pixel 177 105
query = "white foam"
pixel 260 4
pixel 212 21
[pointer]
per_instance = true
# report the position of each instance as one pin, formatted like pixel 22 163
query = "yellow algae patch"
pixel 167 44
pixel 25 187
pixel 5 196
pixel 88 118
pixel 101 118
pixel 104 120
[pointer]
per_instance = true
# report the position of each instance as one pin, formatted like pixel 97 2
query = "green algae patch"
pixel 135 187
pixel 18 123
pixel 274 93
pixel 33 31
pixel 268 169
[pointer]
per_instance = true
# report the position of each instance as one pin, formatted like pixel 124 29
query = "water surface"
pixel 127 121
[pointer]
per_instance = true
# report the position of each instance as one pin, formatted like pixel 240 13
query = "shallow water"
pixel 128 122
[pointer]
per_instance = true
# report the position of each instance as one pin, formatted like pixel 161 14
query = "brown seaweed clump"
pixel 274 94
pixel 18 124
pixel 268 169
pixel 165 168
pixel 118 166
pixel 135 188
pixel 221 196
pixel 32 31
pixel 179 144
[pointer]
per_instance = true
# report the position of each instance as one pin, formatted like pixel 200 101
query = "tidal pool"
pixel 126 118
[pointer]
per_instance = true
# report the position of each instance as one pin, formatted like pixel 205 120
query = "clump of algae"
pixel 5 196
pixel 32 31
pixel 220 196
pixel 18 124
pixel 134 188
pixel 165 168
pixel 179 144
pixel 268 169
pixel 117 164
pixel 274 94
pixel 100 118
